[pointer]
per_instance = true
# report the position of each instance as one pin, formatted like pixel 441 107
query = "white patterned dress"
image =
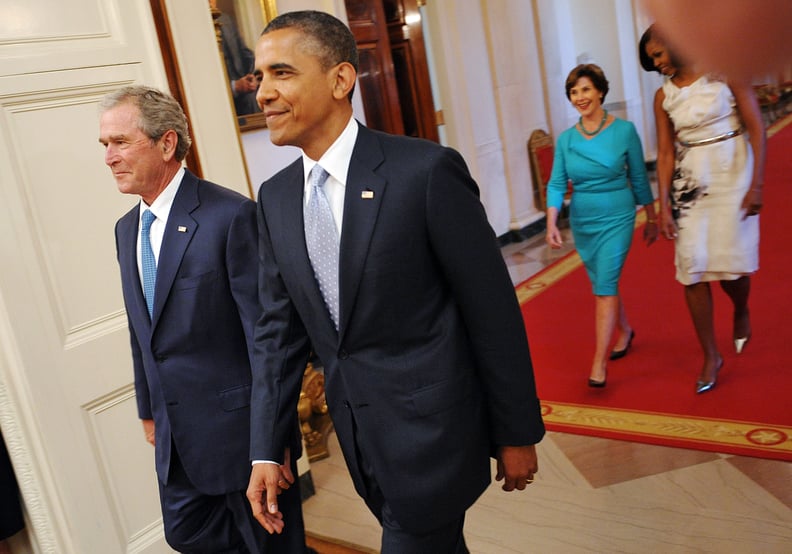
pixel 714 242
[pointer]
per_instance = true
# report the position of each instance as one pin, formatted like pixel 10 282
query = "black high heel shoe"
pixel 704 386
pixel 616 354
pixel 597 384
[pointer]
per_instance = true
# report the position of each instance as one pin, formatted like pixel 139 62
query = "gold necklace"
pixel 599 127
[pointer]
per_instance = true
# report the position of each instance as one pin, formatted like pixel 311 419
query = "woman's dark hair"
pixel 593 72
pixel 646 60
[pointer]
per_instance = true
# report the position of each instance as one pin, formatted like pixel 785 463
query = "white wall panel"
pixel 66 398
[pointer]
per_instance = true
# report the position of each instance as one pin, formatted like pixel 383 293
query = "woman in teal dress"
pixel 603 158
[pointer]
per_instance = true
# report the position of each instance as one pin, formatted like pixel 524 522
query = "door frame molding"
pixel 159 12
pixel 45 525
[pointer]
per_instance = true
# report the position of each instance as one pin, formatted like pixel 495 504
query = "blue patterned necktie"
pixel 321 238
pixel 148 261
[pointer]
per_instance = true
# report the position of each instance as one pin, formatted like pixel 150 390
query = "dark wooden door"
pixel 394 73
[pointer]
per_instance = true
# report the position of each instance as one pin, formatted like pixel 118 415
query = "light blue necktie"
pixel 321 238
pixel 148 261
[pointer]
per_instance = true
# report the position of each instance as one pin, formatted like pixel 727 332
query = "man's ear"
pixel 167 144
pixel 345 78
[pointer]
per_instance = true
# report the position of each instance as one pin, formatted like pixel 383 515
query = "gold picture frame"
pixel 250 16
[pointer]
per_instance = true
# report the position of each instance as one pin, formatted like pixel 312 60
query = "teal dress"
pixel 608 175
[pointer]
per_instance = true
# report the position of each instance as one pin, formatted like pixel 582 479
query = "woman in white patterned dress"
pixel 710 171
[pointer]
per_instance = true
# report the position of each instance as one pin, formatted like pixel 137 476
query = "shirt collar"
pixel 336 159
pixel 162 204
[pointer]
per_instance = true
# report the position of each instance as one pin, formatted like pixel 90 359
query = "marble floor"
pixel 595 495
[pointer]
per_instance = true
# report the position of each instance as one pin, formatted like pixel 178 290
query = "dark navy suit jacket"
pixel 192 360
pixel 430 369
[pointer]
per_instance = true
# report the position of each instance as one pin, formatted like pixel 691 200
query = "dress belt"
pixel 712 140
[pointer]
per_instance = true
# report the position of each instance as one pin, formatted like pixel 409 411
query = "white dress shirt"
pixel 161 208
pixel 336 162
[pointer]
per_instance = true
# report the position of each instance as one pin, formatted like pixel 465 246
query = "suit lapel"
pixel 364 193
pixel 179 231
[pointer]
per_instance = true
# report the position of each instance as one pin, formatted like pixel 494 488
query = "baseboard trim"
pixel 525 233
pixel 324 543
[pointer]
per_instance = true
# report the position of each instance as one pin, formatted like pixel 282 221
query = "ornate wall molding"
pixel 17 422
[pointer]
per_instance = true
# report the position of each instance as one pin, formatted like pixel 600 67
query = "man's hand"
pixel 247 83
pixel 148 431
pixel 267 481
pixel 287 476
pixel 517 466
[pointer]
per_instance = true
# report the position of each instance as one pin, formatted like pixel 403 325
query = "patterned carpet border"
pixel 743 437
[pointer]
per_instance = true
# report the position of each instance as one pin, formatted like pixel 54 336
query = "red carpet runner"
pixel 650 393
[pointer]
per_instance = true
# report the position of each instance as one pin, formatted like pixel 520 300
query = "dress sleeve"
pixel 557 185
pixel 636 167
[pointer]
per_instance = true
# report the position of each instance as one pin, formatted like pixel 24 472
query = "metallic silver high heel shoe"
pixel 740 343
pixel 704 386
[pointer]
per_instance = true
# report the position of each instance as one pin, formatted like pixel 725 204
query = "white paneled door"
pixel 67 404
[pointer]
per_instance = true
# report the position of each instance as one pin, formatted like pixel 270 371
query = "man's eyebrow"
pixel 280 65
pixel 112 138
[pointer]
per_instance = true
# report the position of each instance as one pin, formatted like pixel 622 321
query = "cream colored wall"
pixel 648 83
pixel 207 94
pixel 465 78
pixel 605 33
pixel 517 83
pixel 595 37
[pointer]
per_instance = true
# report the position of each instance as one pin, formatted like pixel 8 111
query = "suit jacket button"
pixel 160 359
pixel 346 404
pixel 343 355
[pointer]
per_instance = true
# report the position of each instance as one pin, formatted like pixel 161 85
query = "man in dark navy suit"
pixel 191 322
pixel 376 253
